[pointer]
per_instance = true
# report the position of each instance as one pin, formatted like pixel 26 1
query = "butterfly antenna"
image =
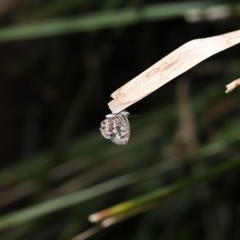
pixel 132 115
pixel 135 115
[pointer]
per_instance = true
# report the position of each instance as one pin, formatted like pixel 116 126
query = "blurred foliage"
pixel 60 61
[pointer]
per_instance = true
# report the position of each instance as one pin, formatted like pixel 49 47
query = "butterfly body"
pixel 116 127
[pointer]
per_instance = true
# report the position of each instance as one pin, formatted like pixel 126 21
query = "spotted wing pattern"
pixel 116 128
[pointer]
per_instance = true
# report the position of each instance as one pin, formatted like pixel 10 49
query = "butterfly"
pixel 116 127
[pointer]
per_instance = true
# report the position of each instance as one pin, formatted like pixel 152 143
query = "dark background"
pixel 54 91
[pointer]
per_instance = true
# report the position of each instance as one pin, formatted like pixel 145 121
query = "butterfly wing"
pixel 121 131
pixel 116 128
pixel 106 128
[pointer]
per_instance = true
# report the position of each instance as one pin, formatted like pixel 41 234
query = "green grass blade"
pixel 97 21
pixel 153 198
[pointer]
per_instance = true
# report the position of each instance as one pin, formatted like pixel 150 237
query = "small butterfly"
pixel 116 127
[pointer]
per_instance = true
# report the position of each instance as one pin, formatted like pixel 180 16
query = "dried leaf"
pixel 171 66
pixel 231 86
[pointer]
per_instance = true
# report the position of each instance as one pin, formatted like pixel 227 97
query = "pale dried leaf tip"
pixel 94 218
pixel 171 66
pixel 89 233
pixel 212 13
pixel 108 222
pixel 231 86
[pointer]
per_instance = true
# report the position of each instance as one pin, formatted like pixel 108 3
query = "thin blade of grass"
pixel 153 198
pixel 97 21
